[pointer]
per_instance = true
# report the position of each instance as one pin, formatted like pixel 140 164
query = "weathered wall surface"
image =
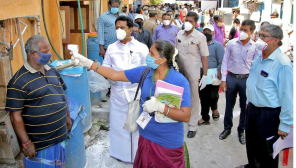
pixel 19 8
pixel 11 9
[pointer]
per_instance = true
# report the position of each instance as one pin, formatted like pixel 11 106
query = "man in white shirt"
pixel 126 53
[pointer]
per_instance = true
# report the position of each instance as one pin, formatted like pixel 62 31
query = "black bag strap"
pixel 144 74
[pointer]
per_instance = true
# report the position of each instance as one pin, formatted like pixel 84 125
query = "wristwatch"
pixel 219 77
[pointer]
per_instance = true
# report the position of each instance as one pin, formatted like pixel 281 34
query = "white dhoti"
pixel 123 144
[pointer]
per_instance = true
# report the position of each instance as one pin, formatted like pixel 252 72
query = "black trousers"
pixel 261 123
pixel 208 99
pixel 235 86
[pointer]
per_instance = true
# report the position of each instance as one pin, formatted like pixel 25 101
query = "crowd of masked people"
pixel 180 45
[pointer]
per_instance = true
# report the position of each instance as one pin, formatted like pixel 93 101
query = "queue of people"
pixel 147 47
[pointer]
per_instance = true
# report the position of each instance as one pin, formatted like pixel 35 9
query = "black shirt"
pixel 43 103
pixel 145 37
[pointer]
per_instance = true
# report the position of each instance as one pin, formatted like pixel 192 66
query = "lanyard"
pixel 153 77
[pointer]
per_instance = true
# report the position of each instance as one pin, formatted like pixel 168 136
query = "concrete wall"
pixel 9 10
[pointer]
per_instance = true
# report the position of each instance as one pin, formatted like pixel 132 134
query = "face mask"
pixel 152 8
pixel 243 35
pixel 140 24
pixel 150 61
pixel 124 11
pixel 187 26
pixel 131 11
pixel 44 59
pixel 171 16
pixel 208 36
pixel 261 45
pixel 166 22
pixel 145 11
pixel 220 24
pixel 260 30
pixel 120 34
pixel 135 34
pixel 114 10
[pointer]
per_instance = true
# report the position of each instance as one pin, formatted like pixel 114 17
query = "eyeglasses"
pixel 263 36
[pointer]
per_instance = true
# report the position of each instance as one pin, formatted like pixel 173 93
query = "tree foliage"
pixel 155 1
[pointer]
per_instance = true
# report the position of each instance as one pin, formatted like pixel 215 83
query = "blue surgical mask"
pixel 150 61
pixel 260 30
pixel 44 59
pixel 114 10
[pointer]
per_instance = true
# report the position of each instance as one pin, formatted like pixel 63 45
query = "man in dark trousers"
pixel 237 62
pixel 210 94
pixel 269 112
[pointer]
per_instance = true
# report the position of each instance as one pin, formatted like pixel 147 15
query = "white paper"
pixel 143 119
pixel 280 144
pixel 269 138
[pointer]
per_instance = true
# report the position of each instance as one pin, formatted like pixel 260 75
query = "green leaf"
pixel 186 156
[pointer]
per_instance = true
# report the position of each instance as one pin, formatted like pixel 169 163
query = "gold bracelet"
pixel 168 111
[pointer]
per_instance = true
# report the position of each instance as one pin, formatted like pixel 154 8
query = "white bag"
pixel 134 107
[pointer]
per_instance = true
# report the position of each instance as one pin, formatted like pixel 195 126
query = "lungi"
pixel 51 157
pixel 151 155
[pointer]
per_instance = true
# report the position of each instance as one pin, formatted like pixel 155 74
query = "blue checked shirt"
pixel 270 84
pixel 106 29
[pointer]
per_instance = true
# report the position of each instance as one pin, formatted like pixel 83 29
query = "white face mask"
pixel 243 35
pixel 120 34
pixel 187 26
pixel 166 22
pixel 261 45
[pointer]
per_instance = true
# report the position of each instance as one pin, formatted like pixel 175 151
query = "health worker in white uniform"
pixel 124 54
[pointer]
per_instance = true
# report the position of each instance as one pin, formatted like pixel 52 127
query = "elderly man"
pixel 167 31
pixel 193 48
pixel 38 107
pixel 126 53
pixel 210 94
pixel 106 26
pixel 142 35
pixel 235 72
pixel 270 96
pixel 151 24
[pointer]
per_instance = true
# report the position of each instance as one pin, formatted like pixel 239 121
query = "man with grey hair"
pixel 269 112
pixel 38 107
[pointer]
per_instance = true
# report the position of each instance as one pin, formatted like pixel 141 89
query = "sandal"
pixel 216 116
pixel 203 123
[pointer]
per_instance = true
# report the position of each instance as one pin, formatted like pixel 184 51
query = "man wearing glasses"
pixel 237 62
pixel 269 112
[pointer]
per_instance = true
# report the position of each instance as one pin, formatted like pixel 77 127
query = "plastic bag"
pixel 97 82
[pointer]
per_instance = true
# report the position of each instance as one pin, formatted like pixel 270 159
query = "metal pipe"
pixel 21 33
pixel 21 38
pixel 38 23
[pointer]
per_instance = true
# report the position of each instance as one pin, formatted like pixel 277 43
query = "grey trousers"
pixel 194 91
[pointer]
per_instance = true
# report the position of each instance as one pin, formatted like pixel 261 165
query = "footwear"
pixel 191 134
pixel 203 123
pixel 224 134
pixel 216 116
pixel 241 138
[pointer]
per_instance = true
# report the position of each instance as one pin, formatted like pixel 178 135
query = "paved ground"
pixel 205 150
